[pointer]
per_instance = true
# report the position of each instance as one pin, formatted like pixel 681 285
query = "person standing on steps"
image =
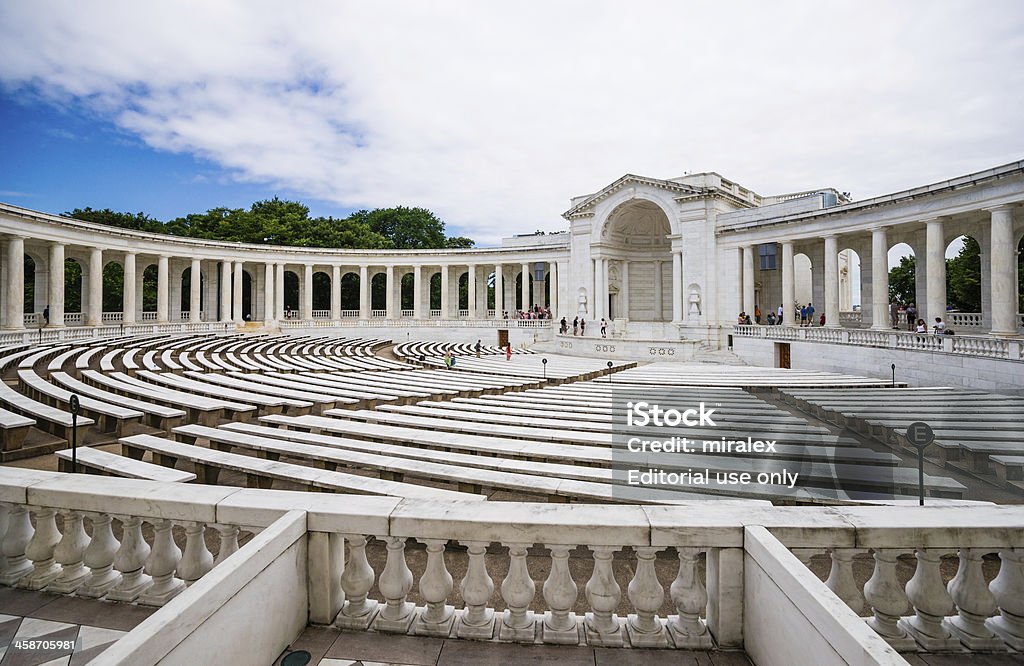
pixel 508 351
pixel 583 327
pixel 604 328
pixel 478 349
pixel 575 326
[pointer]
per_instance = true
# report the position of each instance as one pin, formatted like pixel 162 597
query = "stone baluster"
pixel 228 542
pixel 931 603
pixel 435 586
pixel 840 578
pixel 40 551
pixel 99 557
pixel 161 564
pixel 517 590
pixel 974 604
pixel 690 598
pixel 16 539
pixel 560 592
pixel 356 581
pixel 885 595
pixel 476 587
pixel 197 559
pixel 70 553
pixel 646 594
pixel 130 560
pixel 1008 590
pixel 603 595
pixel 395 583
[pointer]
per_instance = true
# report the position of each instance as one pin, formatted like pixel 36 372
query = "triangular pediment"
pixel 586 206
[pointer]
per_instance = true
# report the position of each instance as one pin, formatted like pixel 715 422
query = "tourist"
pixel 583 327
pixel 757 314
pixel 771 318
pixel 940 327
pixel 821 322
pixel 803 315
pixel 508 351
pixel 46 314
pixel 911 316
pixel 894 314
pixel 810 314
pixel 564 327
pixel 741 318
pixel 477 349
pixel 921 327
pixel 575 326
pixel 778 315
pixel 604 328
pixel 448 360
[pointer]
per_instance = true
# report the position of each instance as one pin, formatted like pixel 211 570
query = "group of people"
pixel 536 312
pixel 579 326
pixel 899 313
pixel 805 313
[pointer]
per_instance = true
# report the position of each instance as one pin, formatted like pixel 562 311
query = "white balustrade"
pixel 60 556
pixel 434 314
pixel 111 317
pixel 321 314
pixel 350 314
pixel 407 314
pixel 378 314
pixel 148 316
pixel 73 319
pixel 463 314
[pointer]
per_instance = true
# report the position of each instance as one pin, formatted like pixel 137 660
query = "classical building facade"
pixel 673 259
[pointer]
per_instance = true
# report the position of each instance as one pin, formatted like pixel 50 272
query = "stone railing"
pixel 112 317
pixel 74 319
pixel 147 316
pixel 407 313
pixel 990 347
pixel 435 314
pixel 851 317
pixel 965 319
pixel 321 314
pixel 720 573
pixel 49 335
pixel 184 315
pixel 32 319
pixel 542 324
pixel 378 314
pixel 350 314
pixel 463 313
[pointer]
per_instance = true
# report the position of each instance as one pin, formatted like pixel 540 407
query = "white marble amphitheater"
pixel 273 462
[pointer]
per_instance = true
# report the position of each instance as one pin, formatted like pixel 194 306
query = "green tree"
pixel 406 228
pixel 963 278
pixel 903 282
pixel 137 221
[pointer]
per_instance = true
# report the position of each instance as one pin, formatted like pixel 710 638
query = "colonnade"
pixel 999 244
pixel 224 281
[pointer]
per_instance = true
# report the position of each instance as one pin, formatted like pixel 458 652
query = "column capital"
pixel 1001 208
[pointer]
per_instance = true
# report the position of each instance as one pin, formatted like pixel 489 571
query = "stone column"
pixel 831 282
pixel 335 293
pixel 553 288
pixel 748 281
pixel 788 285
pixel 659 293
pixel 1003 252
pixel 445 300
pixel 624 291
pixel 392 294
pixel 94 309
pixel 195 294
pixel 880 320
pixel 605 289
pixel 279 292
pixel 307 292
pixel 677 279
pixel 225 291
pixel 498 292
pixel 524 286
pixel 935 269
pixel 364 292
pixel 162 289
pixel 595 288
pixel 417 292
pixel 268 293
pixel 128 289
pixel 15 319
pixel 236 294
pixel 55 285
pixel 471 295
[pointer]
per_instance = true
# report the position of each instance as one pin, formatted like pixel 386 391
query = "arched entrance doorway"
pixel 633 268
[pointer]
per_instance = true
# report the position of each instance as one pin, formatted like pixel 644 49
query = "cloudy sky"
pixel 494 114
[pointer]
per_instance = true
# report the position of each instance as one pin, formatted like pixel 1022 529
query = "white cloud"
pixel 493 115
